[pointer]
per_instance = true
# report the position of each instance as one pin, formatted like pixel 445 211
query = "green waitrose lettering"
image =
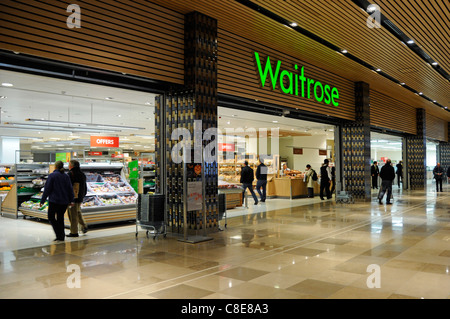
pixel 298 84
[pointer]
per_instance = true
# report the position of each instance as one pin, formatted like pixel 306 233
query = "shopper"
pixel 375 172
pixel 448 173
pixel 78 180
pixel 438 175
pixel 333 179
pixel 58 190
pixel 247 181
pixel 261 183
pixel 399 172
pixel 309 180
pixel 325 178
pixel 387 175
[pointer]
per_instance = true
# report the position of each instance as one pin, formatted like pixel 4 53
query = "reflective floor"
pixel 300 249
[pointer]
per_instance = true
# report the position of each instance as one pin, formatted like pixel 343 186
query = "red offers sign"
pixel 226 147
pixel 104 141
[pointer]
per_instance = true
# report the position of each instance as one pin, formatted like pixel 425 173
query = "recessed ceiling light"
pixel 403 83
pixel 119 115
pixel 378 70
pixel 109 98
pixel 434 63
pixel 420 93
pixel 148 103
pixel 293 24
pixel 371 8
pixel 344 51
pixel 7 84
pixel 410 41
pixel 2 97
pixel 274 121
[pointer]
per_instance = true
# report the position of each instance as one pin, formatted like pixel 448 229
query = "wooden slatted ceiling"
pixel 431 31
pixel 123 36
pixel 436 128
pixel 238 76
pixel 238 19
pixel 389 113
pixel 344 24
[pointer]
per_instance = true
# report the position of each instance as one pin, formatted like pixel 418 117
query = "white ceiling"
pixel 38 97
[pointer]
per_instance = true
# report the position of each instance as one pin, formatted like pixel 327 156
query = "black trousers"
pixel 386 186
pixel 325 185
pixel 438 182
pixel 56 219
pixel 374 181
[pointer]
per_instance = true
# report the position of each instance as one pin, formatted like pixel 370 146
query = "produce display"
pixel 35 205
pixel 99 187
pixel 128 199
pixel 226 185
pixel 108 201
pixel 102 191
pixel 121 188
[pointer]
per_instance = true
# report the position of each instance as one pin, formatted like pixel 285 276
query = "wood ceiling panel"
pixel 343 24
pixel 430 32
pixel 383 50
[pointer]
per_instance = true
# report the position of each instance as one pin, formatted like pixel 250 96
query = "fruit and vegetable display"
pixel 35 205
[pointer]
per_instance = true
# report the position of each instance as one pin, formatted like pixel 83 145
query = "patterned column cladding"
pixel 416 147
pixel 201 77
pixel 356 146
pixel 444 148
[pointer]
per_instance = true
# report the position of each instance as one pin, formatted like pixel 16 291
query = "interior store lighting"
pixel 86 124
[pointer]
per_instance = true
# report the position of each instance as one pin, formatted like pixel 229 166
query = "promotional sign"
pixel 226 147
pixel 63 157
pixel 104 141
pixel 95 153
pixel 194 196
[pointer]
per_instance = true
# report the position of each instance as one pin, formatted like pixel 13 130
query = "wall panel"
pixel 237 75
pixel 389 113
pixel 133 37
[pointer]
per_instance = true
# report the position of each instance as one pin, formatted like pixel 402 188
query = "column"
pixel 356 146
pixel 416 147
pixel 195 105
pixel 444 152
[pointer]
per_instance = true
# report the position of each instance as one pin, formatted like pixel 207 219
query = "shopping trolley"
pixel 150 214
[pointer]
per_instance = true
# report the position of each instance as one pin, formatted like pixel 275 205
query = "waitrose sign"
pixel 295 83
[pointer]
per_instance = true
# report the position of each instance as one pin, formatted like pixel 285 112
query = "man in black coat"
pixel 375 171
pixel 78 179
pixel 438 175
pixel 325 178
pixel 399 172
pixel 387 175
pixel 247 177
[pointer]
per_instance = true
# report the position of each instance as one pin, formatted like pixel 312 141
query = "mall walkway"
pixel 318 250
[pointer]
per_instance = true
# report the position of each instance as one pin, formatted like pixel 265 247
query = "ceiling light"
pixel 378 70
pixel 94 126
pixel 420 93
pixel 293 24
pixel 148 103
pixel 344 51
pixel 109 98
pixel 274 121
pixel 2 97
pixel 7 84
pixel 410 41
pixel 403 83
pixel 434 63
pixel 371 8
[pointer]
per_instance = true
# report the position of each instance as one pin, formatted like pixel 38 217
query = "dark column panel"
pixel 356 146
pixel 416 146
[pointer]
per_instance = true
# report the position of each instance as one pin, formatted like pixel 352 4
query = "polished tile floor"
pixel 300 249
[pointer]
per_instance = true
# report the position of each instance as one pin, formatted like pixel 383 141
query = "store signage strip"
pixel 297 84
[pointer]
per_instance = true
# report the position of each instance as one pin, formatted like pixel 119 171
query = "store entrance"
pixel 386 146
pixel 287 146
pixel 110 131
pixel 431 159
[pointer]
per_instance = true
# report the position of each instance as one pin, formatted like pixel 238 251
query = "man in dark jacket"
pixel 375 171
pixel 78 179
pixel 58 190
pixel 325 178
pixel 247 177
pixel 387 175
pixel 438 174
pixel 399 172
pixel 261 176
